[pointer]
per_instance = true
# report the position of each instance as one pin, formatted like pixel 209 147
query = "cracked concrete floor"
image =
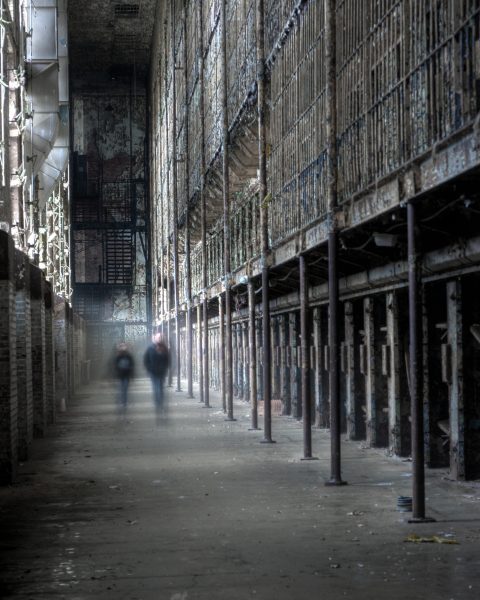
pixel 197 508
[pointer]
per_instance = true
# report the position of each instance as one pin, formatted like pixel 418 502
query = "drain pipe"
pixel 265 251
pixel 333 289
pixel 205 390
pixel 416 370
pixel 226 222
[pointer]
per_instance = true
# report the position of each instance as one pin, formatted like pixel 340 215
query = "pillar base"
pixel 335 482
pixel 422 520
pixel 254 429
pixel 206 406
pixel 264 441
pixel 230 419
pixel 309 458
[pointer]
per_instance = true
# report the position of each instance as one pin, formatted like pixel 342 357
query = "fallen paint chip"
pixel 434 539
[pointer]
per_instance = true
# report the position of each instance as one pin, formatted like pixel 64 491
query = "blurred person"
pixel 123 365
pixel 157 362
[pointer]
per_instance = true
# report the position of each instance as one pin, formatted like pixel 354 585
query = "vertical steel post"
pixel 221 325
pixel 416 370
pixel 228 390
pixel 167 196
pixel 199 351
pixel 188 263
pixel 246 379
pixel 203 217
pixel 262 167
pixel 333 291
pixel 305 360
pixel 252 359
pixel 175 197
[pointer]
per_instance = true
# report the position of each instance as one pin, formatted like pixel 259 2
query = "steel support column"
pixel 221 325
pixel 305 360
pixel 175 200
pixel 262 167
pixel 252 359
pixel 228 389
pixel 416 369
pixel 203 217
pixel 188 265
pixel 333 291
pixel 199 352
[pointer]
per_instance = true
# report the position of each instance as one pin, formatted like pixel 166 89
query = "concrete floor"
pixel 197 508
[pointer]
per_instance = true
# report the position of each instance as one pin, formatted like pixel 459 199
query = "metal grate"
pixel 125 40
pixel 127 11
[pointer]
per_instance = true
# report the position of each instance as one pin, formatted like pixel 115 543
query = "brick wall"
pixel 61 370
pixel 24 354
pixel 38 351
pixel 8 362
pixel 49 355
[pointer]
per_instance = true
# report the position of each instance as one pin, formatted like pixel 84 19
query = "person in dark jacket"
pixel 156 361
pixel 123 365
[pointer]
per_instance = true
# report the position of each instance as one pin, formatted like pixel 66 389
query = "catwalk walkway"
pixel 198 509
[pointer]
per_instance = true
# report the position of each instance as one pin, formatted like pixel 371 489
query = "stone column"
pixel 393 367
pixel 294 370
pixel 375 382
pixel 455 378
pixel 284 379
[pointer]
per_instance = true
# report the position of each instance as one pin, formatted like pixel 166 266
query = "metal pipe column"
pixel 262 167
pixel 333 291
pixel 199 351
pixel 252 358
pixel 228 391
pixel 203 217
pixel 188 263
pixel 221 325
pixel 305 360
pixel 175 198
pixel 416 371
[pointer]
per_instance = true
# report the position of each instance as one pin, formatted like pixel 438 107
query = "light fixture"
pixel 385 240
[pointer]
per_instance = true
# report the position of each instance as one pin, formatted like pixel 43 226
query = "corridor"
pixel 197 509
